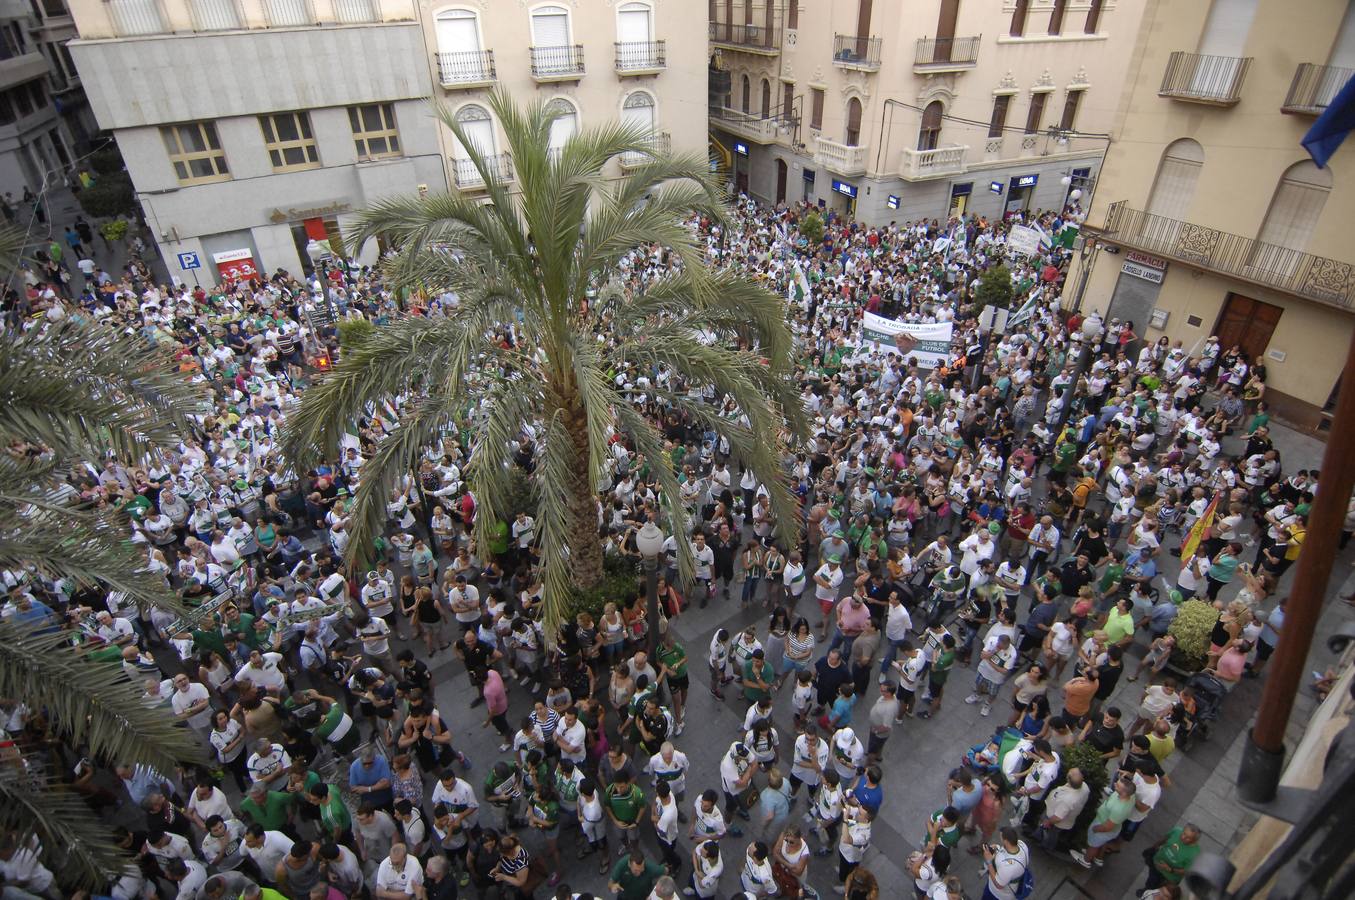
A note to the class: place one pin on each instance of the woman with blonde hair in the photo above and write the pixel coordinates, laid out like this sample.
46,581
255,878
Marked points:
1228,629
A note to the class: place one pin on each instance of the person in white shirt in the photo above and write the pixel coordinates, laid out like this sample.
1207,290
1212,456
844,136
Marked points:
570,737
399,876
268,763
21,865
192,703
266,848
898,625
995,664
707,867
264,672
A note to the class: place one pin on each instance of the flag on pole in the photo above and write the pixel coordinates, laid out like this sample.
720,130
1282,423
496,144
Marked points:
1191,545
799,286
1332,127
1022,315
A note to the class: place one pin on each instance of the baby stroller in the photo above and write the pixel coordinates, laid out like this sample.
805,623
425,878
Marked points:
1209,693
986,757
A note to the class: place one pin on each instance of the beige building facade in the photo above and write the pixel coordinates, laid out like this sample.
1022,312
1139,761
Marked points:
1209,216
596,61
898,112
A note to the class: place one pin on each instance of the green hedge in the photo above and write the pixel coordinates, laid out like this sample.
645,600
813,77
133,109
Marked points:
620,580
1192,626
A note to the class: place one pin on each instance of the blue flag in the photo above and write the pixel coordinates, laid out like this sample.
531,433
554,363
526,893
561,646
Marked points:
1332,127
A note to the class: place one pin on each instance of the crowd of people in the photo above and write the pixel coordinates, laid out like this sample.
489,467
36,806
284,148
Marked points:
999,512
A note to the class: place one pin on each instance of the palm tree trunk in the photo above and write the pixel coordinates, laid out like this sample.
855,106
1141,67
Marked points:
585,547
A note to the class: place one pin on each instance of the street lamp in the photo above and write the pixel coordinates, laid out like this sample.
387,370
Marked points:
317,255
1091,333
649,541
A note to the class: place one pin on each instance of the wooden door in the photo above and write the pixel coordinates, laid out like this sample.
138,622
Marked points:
1247,323
945,30
781,175
853,122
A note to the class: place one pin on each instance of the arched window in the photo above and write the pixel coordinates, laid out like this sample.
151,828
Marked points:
633,23
1174,186
747,94
930,133
853,122
563,127
478,127
638,110
766,99
550,26
1289,223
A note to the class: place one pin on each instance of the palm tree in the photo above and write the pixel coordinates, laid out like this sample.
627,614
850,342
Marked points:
71,393
549,260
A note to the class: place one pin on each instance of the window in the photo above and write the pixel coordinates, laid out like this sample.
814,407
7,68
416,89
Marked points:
1019,18
792,14
853,133
562,128
788,100
1295,209
1056,16
1093,17
374,134
457,31
746,95
930,133
816,108
999,120
638,111
1036,113
291,146
633,24
478,127
766,99
1174,186
550,27
195,152
1070,103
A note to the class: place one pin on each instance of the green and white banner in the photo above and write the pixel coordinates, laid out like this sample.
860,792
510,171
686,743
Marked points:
929,344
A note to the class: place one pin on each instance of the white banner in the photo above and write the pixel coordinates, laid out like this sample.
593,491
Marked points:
929,344
1024,239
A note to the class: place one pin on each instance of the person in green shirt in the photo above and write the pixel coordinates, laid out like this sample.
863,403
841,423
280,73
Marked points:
334,815
1110,818
673,670
498,538
1173,857
757,678
543,814
633,877
938,673
269,809
626,806
1110,578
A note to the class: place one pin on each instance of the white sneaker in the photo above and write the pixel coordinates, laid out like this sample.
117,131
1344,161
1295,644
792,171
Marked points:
985,709
677,729
972,699
688,892
504,748
1080,858
883,678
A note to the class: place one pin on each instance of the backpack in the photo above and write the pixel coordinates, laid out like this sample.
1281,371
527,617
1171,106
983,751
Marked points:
1026,885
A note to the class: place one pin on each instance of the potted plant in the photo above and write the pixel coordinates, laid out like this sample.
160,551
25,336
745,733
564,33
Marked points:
1192,626
113,231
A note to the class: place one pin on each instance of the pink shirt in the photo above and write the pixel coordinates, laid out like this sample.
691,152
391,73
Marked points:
852,618
1231,664
496,697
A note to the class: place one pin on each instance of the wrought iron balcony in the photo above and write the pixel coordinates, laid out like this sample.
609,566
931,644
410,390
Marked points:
499,166
468,68
641,57
843,159
659,145
1281,268
861,53
918,165
562,63
946,54
1216,80
750,38
1314,87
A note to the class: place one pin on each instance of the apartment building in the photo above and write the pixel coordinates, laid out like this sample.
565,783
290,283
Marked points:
897,112
252,127
34,142
1209,217
641,62
51,27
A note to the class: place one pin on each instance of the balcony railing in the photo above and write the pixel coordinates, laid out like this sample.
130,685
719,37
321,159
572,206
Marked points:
944,54
856,52
641,56
500,167
562,62
1314,87
1216,80
466,68
133,17
215,15
1281,268
762,129
351,11
659,145
919,164
289,13
843,159
754,38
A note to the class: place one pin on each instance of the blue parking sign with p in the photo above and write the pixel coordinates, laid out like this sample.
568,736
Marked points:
189,261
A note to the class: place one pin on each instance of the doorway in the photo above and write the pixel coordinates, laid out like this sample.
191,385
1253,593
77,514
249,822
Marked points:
1247,323
782,173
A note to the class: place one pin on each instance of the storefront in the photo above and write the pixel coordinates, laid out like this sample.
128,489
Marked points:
807,176
1019,191
741,167
844,198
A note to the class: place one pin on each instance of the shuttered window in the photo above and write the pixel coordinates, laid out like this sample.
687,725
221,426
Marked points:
1177,174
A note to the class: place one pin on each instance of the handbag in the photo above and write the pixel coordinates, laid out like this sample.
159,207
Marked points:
787,885
748,798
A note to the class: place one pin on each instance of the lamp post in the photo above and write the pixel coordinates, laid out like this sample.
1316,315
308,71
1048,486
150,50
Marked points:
317,256
1091,333
649,541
